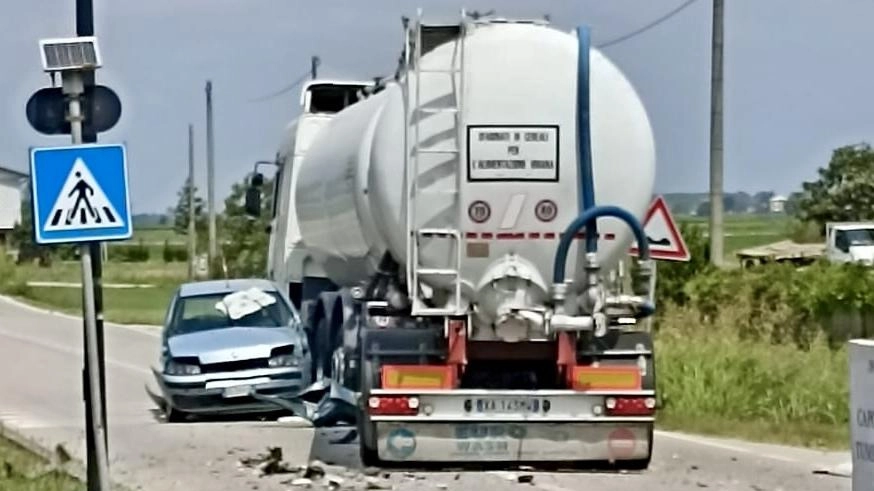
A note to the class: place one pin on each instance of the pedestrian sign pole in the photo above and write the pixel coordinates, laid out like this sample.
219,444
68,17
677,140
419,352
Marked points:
80,195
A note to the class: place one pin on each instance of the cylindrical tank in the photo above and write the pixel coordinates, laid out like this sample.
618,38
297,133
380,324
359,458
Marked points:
512,187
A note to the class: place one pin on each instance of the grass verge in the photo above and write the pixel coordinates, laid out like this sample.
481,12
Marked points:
712,381
122,306
24,471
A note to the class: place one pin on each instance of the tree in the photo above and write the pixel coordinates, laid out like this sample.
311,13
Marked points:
762,201
844,190
181,215
742,202
245,239
23,239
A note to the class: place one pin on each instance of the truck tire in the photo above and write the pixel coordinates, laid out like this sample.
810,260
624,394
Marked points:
369,454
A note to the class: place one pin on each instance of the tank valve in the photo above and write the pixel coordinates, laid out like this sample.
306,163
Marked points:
600,320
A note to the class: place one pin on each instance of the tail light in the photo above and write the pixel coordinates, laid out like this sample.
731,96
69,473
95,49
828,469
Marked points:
393,405
630,406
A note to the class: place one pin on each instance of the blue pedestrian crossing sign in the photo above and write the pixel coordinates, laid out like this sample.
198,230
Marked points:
80,194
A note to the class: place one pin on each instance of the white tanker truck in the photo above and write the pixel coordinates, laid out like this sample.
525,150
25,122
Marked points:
447,234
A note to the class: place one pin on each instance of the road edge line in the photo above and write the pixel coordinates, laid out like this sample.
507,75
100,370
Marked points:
149,329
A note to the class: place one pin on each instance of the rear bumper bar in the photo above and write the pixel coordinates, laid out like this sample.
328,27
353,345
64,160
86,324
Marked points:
524,426
504,442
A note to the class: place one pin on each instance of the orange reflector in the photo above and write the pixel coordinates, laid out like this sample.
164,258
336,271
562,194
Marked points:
606,378
417,377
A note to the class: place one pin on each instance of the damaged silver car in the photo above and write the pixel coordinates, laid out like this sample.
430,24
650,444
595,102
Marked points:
225,339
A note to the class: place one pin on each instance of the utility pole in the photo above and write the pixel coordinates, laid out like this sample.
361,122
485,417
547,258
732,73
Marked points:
315,61
85,27
210,177
716,187
192,217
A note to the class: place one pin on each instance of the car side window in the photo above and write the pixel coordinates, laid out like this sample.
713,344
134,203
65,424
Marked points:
841,242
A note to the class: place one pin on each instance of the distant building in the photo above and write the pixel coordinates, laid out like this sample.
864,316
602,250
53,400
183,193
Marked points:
777,204
11,184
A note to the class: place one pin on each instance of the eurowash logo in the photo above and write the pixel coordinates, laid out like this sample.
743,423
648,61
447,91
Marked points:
401,442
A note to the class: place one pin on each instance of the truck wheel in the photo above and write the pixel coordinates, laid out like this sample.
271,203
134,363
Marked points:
369,455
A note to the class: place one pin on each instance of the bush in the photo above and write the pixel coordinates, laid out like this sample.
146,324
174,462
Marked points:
805,232
671,277
786,305
129,253
174,253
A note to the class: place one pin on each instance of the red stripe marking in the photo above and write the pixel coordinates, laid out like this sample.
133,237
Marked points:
531,235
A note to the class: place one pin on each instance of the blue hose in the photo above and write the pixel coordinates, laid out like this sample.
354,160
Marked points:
584,136
590,215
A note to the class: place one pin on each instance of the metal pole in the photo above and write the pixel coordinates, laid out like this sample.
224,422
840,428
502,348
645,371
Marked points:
210,177
314,67
73,86
192,229
716,208
85,27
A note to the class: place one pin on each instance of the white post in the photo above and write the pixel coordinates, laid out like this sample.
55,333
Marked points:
73,87
861,354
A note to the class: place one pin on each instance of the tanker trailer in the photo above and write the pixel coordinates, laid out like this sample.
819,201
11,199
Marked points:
460,222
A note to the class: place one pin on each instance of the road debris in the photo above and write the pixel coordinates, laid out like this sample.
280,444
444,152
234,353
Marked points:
269,463
525,478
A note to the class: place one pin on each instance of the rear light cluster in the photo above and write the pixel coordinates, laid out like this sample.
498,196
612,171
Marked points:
630,406
393,406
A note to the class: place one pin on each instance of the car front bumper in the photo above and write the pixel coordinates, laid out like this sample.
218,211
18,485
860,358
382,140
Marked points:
229,392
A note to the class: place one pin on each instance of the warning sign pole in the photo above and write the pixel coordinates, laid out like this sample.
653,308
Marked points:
73,87
85,27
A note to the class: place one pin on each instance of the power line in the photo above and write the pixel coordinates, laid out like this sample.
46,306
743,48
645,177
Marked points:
303,77
649,26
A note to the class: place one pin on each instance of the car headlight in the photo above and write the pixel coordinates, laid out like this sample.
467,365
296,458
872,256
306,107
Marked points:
176,368
282,361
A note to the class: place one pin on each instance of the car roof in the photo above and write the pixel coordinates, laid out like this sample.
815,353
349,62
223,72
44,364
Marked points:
211,287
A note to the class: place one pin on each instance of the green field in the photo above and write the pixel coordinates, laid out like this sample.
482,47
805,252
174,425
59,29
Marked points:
21,470
743,231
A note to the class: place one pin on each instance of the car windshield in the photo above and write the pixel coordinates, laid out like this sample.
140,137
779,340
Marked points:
862,236
249,308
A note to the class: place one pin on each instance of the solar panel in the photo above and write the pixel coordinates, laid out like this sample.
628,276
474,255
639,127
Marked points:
70,54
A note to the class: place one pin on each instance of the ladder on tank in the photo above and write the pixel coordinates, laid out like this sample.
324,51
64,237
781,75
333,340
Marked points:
418,37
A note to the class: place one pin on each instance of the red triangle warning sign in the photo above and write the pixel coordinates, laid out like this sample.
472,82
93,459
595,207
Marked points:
665,241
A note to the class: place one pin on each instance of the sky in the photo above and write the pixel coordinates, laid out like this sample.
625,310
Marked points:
798,82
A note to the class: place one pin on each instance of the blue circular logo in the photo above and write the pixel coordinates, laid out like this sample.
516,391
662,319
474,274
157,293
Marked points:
401,442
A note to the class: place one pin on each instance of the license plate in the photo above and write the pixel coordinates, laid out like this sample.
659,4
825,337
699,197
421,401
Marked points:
237,391
513,405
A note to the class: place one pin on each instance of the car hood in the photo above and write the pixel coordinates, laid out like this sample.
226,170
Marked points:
230,343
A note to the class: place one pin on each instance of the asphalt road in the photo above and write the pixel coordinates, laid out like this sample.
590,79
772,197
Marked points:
40,397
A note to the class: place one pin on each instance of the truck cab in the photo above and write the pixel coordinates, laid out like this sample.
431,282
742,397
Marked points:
850,242
320,101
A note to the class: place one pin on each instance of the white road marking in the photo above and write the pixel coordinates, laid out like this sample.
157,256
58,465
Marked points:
724,446
148,330
514,208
